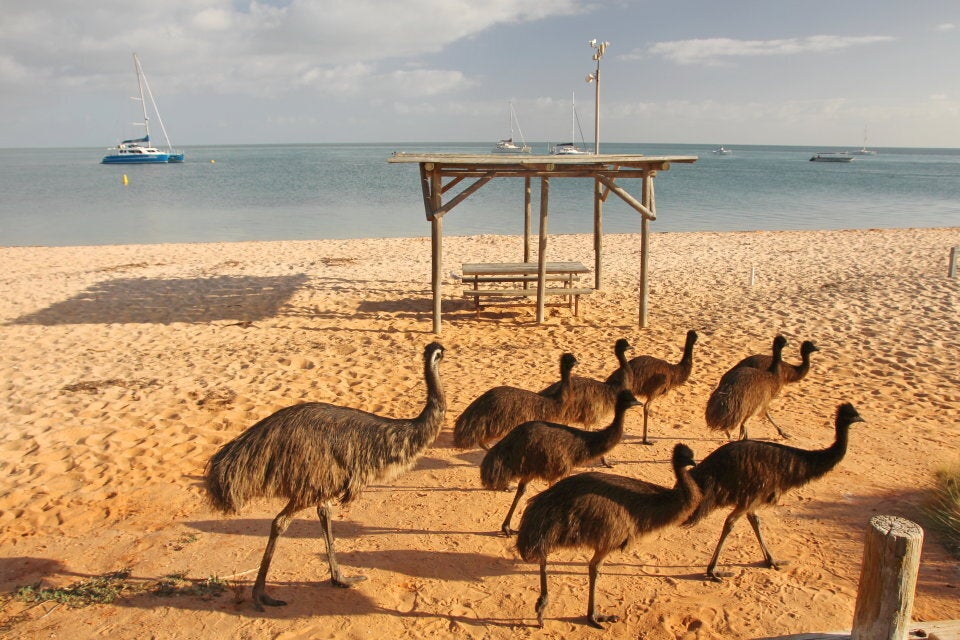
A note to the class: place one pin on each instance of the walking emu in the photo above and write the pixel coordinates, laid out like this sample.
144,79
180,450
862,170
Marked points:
602,512
591,401
313,453
789,372
653,377
745,392
548,451
747,475
500,409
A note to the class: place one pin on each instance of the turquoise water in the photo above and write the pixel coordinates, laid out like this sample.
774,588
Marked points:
61,197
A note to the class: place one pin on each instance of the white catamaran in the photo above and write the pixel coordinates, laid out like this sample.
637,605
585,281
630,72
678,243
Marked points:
139,150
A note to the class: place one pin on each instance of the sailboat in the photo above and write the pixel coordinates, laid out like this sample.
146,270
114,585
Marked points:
507,145
139,150
570,148
863,151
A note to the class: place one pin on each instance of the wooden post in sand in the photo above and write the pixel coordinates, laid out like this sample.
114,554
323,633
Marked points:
952,269
888,577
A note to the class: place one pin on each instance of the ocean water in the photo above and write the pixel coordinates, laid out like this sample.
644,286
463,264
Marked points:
62,197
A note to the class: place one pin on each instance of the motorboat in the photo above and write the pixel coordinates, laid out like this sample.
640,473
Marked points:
833,156
722,151
139,150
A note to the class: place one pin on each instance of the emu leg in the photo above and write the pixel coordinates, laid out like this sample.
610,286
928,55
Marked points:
505,527
280,524
646,414
767,556
743,430
544,598
783,434
594,570
337,578
727,526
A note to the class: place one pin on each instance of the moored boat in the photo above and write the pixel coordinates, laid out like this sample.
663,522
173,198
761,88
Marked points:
832,156
139,150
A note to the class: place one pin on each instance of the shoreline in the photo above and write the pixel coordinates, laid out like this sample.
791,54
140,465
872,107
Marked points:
125,367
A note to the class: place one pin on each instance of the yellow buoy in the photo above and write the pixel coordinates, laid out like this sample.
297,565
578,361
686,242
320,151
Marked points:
213,162
125,181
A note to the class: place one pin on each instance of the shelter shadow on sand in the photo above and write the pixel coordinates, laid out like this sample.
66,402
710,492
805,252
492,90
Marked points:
164,301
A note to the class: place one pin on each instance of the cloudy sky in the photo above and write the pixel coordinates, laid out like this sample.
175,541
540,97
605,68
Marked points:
683,71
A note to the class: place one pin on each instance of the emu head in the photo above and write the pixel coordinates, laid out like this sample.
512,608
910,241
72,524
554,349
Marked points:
847,415
808,347
626,399
682,456
433,354
621,347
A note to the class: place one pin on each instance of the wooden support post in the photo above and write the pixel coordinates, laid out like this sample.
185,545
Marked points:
527,210
436,241
888,577
954,256
597,233
436,229
542,257
647,198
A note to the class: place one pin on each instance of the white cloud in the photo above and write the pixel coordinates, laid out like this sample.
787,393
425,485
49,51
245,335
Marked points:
713,51
946,26
226,46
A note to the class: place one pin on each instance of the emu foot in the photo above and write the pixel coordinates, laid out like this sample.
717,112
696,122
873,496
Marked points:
717,576
345,583
507,531
594,621
541,605
605,463
261,599
776,564
646,442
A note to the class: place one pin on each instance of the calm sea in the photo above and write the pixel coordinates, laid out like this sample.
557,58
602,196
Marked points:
63,197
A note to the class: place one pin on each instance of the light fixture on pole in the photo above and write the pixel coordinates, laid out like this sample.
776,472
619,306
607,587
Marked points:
601,48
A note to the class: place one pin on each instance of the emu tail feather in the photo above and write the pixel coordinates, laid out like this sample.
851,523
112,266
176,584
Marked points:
493,474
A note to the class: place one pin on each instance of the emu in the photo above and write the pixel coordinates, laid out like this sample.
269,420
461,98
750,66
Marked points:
602,512
500,409
747,475
746,392
789,372
591,401
653,377
313,453
548,451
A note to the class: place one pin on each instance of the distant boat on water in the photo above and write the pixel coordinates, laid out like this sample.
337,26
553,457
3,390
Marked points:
571,148
139,150
863,151
832,156
507,145
722,151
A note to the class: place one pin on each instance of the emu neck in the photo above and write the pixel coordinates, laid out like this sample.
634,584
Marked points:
823,460
436,406
608,437
625,372
685,366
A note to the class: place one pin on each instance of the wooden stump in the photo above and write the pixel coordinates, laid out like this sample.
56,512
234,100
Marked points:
888,577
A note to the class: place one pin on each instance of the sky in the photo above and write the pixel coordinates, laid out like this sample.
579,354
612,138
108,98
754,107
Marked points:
777,72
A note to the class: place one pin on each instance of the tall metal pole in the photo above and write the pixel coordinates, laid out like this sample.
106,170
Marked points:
601,48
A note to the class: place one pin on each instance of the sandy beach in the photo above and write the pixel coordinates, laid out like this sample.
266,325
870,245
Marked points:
124,368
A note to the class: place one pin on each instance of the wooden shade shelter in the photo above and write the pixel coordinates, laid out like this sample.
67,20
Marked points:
441,173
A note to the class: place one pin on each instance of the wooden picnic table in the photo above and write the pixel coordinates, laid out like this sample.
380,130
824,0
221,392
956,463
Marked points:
493,274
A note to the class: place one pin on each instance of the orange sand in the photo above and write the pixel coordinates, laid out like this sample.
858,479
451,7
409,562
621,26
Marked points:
123,368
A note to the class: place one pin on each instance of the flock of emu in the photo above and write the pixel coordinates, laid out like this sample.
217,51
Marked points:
314,453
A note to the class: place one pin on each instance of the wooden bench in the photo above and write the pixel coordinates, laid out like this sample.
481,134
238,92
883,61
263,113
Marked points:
501,273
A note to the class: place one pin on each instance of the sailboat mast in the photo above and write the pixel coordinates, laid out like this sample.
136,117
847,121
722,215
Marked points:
143,102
